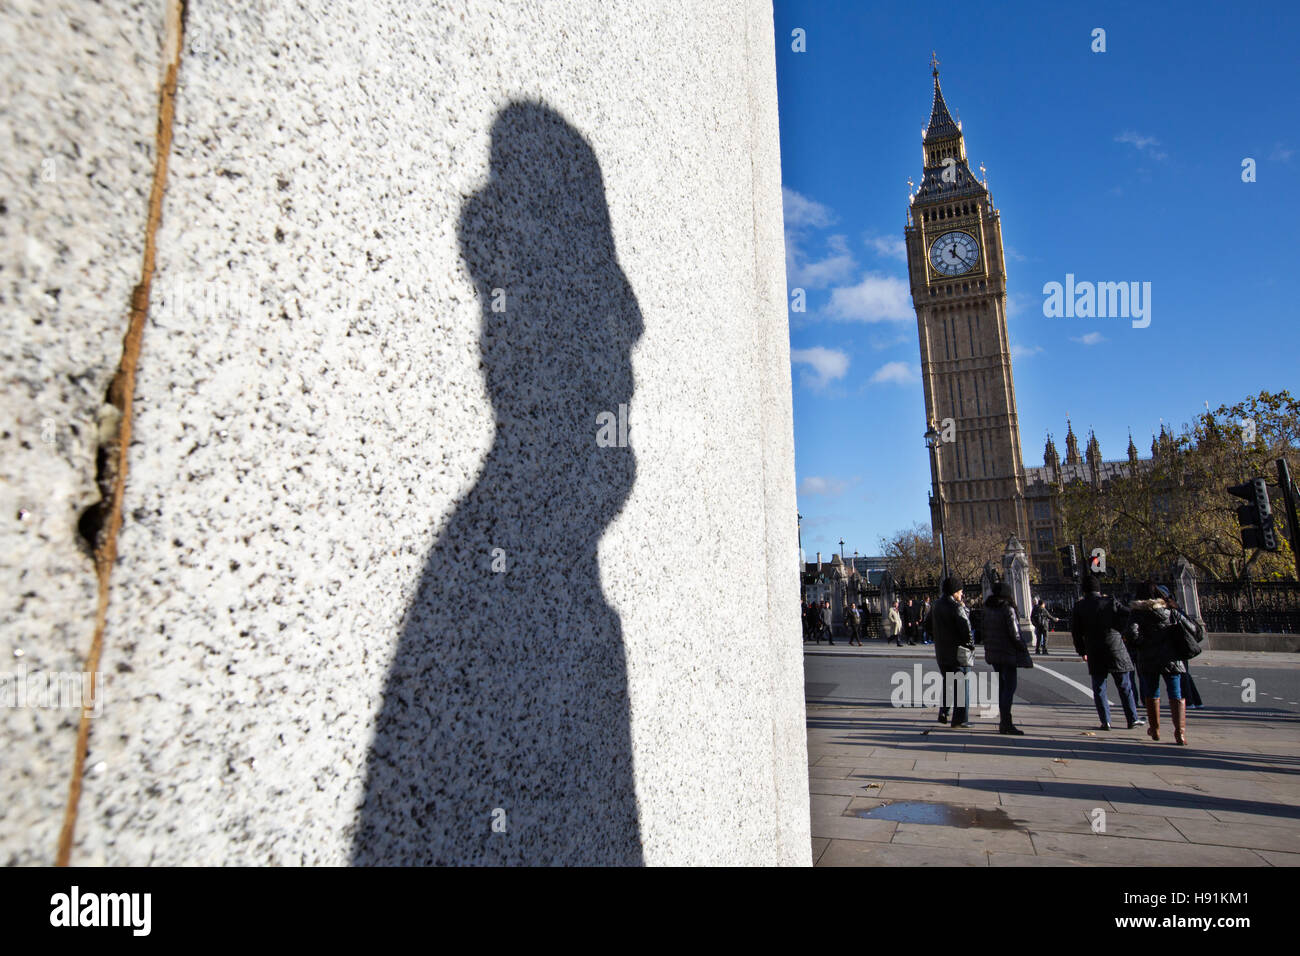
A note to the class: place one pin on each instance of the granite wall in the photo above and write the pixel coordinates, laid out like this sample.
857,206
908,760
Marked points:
459,521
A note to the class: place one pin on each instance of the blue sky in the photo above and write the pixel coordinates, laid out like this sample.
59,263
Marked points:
1117,166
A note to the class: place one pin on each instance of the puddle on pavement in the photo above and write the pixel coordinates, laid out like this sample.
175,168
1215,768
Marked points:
940,814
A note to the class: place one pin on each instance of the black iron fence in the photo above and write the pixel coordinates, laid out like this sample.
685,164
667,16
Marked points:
1271,607
1226,607
870,599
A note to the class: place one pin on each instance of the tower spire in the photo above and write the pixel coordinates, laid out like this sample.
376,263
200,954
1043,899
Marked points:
947,174
941,121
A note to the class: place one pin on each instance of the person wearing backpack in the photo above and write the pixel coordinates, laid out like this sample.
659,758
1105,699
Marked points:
1097,625
1165,639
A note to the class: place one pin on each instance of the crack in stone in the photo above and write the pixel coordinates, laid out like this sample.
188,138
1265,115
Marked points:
103,521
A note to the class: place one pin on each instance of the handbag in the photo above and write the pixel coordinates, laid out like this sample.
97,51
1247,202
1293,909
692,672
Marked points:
965,655
1182,636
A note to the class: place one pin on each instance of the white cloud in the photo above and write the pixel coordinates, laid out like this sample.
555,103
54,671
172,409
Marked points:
829,487
1092,338
1143,144
899,373
1024,351
836,267
877,298
1016,303
880,344
825,365
889,247
1018,256
1281,154
800,211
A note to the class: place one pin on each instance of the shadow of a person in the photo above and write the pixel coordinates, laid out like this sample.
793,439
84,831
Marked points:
504,736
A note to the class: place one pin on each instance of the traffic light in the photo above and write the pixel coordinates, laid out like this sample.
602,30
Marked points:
1069,562
1256,518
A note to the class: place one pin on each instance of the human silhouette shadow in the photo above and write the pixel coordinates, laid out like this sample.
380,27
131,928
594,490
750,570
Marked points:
506,703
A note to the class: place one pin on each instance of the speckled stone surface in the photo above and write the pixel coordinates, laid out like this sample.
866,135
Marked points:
382,595
78,106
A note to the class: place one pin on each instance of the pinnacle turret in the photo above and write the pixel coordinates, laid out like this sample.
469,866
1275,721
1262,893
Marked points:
1072,456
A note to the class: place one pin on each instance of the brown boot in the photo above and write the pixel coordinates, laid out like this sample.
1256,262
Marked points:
1153,718
1178,717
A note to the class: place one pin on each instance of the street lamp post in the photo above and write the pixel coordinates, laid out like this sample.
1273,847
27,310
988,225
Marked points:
932,443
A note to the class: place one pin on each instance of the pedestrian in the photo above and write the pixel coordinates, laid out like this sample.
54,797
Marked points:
1157,629
1097,625
927,632
1004,650
895,625
911,622
1190,694
1042,620
806,621
826,623
954,650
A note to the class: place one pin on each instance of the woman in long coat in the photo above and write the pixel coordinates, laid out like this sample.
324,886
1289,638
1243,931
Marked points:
1156,659
1004,650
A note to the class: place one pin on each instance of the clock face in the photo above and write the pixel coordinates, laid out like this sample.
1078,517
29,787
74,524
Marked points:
954,253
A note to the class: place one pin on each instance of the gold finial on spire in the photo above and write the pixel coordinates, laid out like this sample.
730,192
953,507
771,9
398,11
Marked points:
934,63
984,176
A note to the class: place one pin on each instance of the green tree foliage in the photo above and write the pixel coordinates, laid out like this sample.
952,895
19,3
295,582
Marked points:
1176,502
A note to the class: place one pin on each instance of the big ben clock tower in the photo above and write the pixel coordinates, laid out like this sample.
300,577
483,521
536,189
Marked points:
959,291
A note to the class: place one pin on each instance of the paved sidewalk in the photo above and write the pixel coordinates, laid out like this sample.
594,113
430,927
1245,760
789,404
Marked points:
1059,647
1232,798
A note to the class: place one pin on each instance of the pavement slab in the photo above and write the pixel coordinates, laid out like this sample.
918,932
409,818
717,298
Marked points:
853,853
1232,798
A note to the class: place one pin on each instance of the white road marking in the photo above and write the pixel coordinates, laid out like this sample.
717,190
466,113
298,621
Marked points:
1087,691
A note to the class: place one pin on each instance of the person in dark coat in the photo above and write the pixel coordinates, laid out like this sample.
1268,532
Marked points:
1190,694
1042,620
911,621
950,625
1149,620
1097,625
854,622
1004,650
826,623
